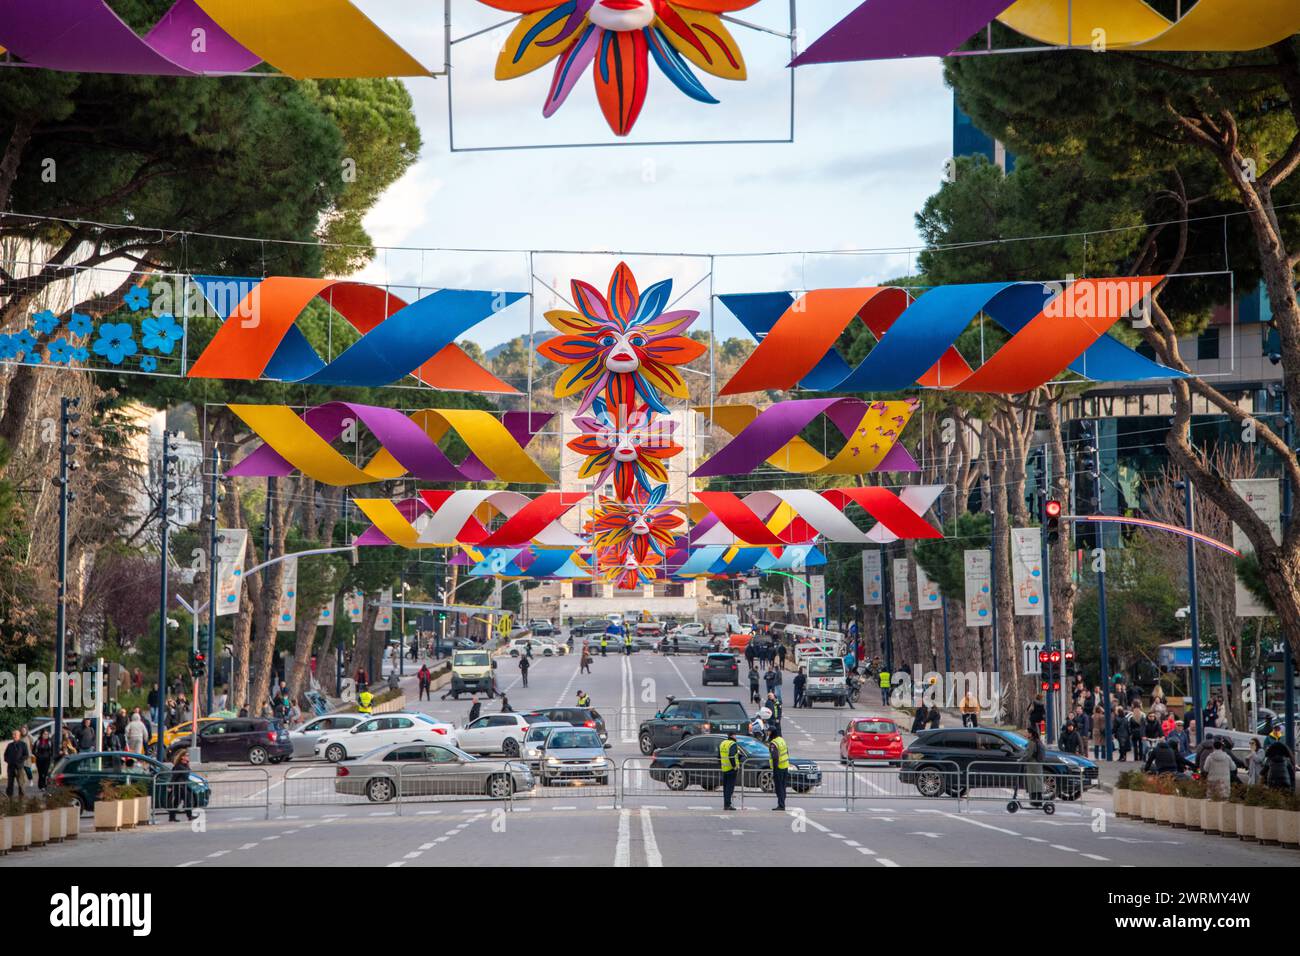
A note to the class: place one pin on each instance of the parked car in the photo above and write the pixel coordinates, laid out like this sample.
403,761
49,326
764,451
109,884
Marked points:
172,734
692,628
589,628
541,627
696,761
382,730
575,716
574,753
520,646
421,770
495,734
678,643
688,716
256,740
536,736
721,669
927,763
304,736
83,774
871,739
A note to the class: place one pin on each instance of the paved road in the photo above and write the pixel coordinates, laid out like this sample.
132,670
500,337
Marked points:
654,827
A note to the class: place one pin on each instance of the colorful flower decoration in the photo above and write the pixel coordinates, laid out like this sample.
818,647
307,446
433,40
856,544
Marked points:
642,528
625,572
620,37
62,352
80,324
621,346
161,333
45,322
148,364
116,341
24,342
632,446
137,298
33,357
8,347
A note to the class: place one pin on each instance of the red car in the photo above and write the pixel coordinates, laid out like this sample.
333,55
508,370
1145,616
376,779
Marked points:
871,739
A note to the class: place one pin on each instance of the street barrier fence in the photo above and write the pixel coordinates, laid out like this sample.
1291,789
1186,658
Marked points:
1022,784
242,789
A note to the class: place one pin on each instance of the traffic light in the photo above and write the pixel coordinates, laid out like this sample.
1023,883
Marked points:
1049,663
198,663
1052,519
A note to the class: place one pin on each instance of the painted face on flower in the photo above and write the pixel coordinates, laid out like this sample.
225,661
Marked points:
631,446
642,527
621,346
617,39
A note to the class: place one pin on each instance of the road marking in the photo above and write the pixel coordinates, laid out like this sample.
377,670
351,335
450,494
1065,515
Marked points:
249,846
426,846
1067,849
977,823
188,863
685,683
866,852
883,862
217,853
427,813
1035,839
564,694
271,838
1094,856
398,863
652,857
814,824
623,848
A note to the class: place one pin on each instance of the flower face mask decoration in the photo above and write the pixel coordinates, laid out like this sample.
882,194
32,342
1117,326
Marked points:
621,346
620,37
641,528
631,446
625,571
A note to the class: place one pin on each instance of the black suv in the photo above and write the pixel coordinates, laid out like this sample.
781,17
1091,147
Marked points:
686,716
929,761
257,740
721,669
577,716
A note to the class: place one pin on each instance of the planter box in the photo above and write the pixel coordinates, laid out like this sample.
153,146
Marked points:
71,823
1121,800
1288,828
1212,815
1246,822
20,832
1228,820
1266,825
1178,811
1162,805
1147,807
111,814
40,823
58,825
5,844
1192,812
142,810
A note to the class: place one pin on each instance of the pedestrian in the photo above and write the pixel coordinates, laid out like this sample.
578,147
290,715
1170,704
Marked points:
475,708
424,677
1150,732
1034,757
780,764
729,757
801,688
86,737
584,699
1279,767
1070,742
43,752
777,680
773,703
883,680
970,709
921,718
16,755
505,705
1164,758
177,794
1255,762
753,686
585,662
751,651
780,655
1217,768
1098,733
935,713
28,767
1123,738
523,668
1037,714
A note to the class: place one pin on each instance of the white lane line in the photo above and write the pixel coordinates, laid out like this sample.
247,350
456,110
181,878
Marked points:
652,857
623,848
577,669
396,864
1035,839
1094,856
249,846
883,862
188,863
685,682
1067,849
865,851
978,823
426,846
814,824
217,853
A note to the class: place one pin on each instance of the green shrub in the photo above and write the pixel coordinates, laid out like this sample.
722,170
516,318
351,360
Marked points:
1194,789
33,805
56,798
109,791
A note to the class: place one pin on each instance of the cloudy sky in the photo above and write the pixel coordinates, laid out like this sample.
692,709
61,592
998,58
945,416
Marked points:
870,140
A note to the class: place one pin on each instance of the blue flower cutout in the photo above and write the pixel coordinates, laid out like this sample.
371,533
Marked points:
24,341
80,324
161,333
8,348
45,322
61,352
33,357
137,298
80,354
115,341
148,364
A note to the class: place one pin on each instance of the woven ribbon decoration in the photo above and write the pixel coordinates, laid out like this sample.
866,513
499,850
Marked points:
439,519
799,516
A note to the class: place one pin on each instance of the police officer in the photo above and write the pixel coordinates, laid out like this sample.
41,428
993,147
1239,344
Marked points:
780,756
884,687
583,699
729,755
604,644
364,700
627,644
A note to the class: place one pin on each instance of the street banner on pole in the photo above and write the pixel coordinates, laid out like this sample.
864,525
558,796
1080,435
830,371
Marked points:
1264,497
818,595
1027,571
354,605
871,577
799,589
287,617
927,592
230,568
978,567
326,616
384,620
902,591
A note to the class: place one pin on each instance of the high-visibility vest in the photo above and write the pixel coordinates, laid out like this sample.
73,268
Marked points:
603,642
628,640
584,701
363,702
724,754
782,753
884,680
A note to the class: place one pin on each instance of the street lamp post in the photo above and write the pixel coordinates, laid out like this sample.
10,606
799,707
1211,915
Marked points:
214,567
1194,612
1103,629
1046,561
163,620
66,465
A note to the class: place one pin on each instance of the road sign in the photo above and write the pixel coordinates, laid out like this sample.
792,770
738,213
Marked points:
1029,657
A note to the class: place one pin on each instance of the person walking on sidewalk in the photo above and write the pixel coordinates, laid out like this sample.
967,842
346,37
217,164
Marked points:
523,669
16,754
425,678
753,685
584,663
780,655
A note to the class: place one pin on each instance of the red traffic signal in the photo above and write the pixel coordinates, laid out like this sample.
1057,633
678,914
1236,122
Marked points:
1044,657
1052,509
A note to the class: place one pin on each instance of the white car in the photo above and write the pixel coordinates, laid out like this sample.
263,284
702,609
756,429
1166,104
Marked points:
519,647
693,629
494,734
536,736
304,736
381,730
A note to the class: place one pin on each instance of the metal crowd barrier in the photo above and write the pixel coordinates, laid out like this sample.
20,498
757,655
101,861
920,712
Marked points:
226,790
402,785
1022,782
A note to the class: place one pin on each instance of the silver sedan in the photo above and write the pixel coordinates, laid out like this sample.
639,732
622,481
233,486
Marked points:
426,770
304,736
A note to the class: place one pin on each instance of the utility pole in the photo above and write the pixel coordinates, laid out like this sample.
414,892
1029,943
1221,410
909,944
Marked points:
1046,560
943,605
1104,632
886,597
1288,660
214,568
993,573
163,620
1195,609
66,496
